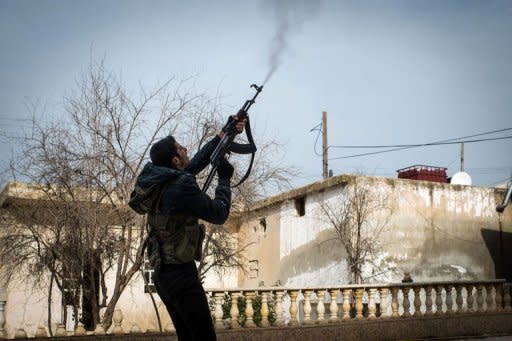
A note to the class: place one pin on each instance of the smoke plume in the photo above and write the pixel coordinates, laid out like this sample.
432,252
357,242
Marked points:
290,16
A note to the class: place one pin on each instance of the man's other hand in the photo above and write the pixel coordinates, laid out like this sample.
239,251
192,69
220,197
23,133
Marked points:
225,170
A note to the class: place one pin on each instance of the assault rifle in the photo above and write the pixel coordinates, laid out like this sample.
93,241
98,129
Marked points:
227,144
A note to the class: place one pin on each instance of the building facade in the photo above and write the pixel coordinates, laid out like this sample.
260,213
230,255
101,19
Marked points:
431,230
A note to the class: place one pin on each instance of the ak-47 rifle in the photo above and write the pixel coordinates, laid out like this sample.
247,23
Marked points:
227,144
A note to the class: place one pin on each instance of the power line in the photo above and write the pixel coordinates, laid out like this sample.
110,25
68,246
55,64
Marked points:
15,119
319,129
421,144
402,147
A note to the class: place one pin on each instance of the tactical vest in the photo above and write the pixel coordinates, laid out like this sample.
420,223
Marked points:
174,239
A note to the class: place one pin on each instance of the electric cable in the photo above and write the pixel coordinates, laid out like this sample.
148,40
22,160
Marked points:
420,144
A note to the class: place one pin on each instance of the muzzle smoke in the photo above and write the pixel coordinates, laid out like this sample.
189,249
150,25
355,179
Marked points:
290,17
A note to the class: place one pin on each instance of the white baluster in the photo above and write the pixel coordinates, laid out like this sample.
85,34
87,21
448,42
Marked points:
118,319
384,302
264,309
279,308
61,330
234,312
507,297
249,310
320,308
458,300
371,304
293,307
80,330
346,304
470,298
21,334
135,329
41,332
359,303
439,300
499,296
219,313
307,307
489,297
417,301
394,302
449,300
334,305
406,304
99,330
480,297
428,300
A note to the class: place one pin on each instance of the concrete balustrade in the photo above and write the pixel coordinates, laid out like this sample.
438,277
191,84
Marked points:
294,307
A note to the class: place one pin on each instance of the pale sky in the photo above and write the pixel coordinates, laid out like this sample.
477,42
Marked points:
386,72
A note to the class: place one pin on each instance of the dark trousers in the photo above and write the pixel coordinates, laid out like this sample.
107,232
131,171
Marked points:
181,291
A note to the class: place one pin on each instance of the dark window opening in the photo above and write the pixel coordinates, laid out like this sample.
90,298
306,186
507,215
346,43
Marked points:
263,223
300,206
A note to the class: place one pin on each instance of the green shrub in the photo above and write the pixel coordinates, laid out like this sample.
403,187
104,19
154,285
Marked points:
242,304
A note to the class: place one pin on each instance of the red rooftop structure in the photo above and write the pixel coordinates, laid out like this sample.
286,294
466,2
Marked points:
423,172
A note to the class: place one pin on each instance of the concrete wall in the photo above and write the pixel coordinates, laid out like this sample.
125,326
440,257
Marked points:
27,301
27,304
436,232
460,326
261,235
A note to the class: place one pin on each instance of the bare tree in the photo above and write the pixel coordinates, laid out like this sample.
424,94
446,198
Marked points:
84,168
358,216
222,248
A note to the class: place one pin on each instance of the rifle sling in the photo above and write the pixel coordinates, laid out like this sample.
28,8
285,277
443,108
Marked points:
250,148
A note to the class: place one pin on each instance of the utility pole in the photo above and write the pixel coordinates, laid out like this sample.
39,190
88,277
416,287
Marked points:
325,172
462,157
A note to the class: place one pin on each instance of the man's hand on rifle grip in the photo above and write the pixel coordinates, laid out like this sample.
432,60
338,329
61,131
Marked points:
240,125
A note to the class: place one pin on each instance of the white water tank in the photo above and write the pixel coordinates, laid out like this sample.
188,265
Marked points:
461,178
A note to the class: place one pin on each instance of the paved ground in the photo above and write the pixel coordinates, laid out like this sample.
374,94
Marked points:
475,338
489,338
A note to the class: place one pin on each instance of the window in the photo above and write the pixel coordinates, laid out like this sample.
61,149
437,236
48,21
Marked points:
253,269
263,223
300,206
148,272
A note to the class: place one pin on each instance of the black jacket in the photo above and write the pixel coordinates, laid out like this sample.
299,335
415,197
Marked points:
182,195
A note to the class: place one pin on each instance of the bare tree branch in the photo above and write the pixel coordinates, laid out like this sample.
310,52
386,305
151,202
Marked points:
358,216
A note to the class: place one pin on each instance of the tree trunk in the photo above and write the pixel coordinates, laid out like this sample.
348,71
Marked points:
50,289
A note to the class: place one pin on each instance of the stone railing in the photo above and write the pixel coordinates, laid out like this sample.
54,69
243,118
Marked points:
317,305
281,307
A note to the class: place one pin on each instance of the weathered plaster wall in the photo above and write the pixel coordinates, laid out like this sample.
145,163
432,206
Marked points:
261,235
436,232
27,301
27,305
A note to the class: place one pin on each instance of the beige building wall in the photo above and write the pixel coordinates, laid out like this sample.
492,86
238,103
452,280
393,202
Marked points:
261,237
27,302
436,232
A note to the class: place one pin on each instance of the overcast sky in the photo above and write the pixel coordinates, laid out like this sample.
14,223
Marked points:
386,72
